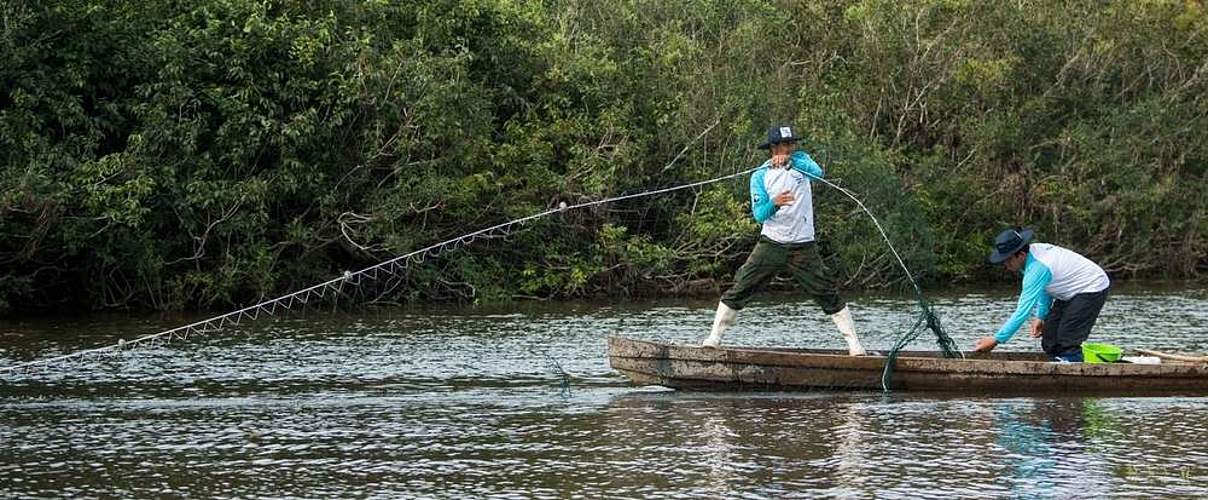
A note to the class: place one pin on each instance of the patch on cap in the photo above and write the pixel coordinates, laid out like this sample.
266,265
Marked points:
786,133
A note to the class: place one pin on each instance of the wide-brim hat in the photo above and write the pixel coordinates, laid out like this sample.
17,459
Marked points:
1008,242
779,134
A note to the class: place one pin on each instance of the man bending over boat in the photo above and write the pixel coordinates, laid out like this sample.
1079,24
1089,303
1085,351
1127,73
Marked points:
1078,285
786,241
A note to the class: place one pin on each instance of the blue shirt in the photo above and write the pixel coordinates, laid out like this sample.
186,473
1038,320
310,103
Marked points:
1036,276
794,222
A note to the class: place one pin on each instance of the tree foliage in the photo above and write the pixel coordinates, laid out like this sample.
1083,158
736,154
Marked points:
193,155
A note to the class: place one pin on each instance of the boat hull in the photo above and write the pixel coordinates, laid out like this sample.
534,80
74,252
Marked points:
739,368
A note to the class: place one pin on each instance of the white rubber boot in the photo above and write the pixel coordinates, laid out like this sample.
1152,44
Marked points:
848,328
724,319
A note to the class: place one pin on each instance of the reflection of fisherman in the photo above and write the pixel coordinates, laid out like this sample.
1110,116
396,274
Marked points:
1050,272
786,240
1050,445
1030,457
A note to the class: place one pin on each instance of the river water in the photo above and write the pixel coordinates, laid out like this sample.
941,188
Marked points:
519,402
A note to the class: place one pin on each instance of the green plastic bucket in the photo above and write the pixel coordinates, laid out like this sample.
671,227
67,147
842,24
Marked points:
1100,353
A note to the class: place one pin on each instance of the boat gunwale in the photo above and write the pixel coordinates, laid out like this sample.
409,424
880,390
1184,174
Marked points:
779,357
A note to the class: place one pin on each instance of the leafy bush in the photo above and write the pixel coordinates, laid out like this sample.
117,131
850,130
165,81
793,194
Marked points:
166,155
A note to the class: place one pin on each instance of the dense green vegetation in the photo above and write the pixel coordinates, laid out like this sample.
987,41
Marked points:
168,154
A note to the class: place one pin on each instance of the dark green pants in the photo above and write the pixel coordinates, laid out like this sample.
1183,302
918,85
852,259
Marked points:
803,263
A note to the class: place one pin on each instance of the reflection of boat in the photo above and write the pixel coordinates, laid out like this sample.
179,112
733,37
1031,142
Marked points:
772,368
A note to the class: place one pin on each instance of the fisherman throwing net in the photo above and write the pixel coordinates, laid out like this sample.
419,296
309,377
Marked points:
782,202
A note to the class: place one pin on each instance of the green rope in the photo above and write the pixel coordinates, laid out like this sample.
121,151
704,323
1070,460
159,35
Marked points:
927,319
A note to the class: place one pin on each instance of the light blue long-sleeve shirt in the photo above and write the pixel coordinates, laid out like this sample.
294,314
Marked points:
1036,276
762,206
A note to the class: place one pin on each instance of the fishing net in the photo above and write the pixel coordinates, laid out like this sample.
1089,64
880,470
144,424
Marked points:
927,320
401,265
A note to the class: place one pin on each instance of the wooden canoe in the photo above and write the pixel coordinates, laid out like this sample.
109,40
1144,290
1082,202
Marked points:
772,368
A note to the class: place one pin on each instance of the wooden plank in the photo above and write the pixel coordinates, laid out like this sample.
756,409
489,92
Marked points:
1174,357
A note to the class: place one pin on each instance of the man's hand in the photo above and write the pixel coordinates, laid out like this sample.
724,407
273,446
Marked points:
780,160
783,199
985,344
1037,328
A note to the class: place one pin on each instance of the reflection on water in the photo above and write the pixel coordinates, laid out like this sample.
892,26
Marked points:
1047,449
457,403
850,450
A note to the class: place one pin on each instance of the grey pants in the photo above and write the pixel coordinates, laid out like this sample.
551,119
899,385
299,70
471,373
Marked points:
801,260
1069,322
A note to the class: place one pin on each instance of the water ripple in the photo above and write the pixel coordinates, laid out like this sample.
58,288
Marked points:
455,403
